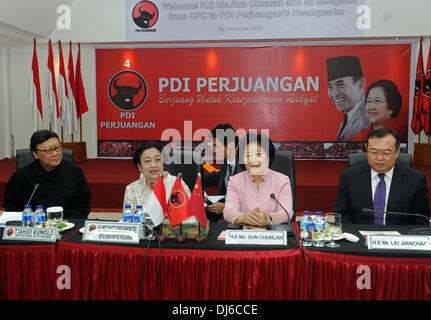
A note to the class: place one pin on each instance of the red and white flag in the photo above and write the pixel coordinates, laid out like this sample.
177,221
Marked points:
426,107
156,205
51,90
63,95
72,124
34,94
196,203
418,98
177,206
81,101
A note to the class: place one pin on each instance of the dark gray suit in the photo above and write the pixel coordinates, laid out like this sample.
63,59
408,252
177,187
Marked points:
408,193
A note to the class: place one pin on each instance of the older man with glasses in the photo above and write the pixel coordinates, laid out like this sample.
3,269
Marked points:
382,187
61,183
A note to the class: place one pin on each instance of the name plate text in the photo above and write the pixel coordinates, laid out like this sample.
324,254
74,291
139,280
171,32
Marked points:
403,242
30,234
256,237
118,232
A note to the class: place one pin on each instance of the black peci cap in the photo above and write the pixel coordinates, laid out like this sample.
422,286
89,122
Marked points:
344,66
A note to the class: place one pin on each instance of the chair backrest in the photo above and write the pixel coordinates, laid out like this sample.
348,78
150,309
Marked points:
284,162
24,157
404,159
180,161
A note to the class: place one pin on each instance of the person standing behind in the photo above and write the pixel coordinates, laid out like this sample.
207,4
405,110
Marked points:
61,183
225,147
382,185
346,85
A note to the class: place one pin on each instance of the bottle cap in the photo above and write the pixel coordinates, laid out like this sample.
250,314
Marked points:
127,206
39,206
306,212
319,213
27,206
138,207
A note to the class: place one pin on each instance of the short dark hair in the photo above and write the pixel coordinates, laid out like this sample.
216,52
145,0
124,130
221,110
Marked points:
41,136
228,133
383,132
146,145
261,139
392,95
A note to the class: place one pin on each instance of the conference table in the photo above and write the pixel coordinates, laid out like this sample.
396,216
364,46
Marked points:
75,269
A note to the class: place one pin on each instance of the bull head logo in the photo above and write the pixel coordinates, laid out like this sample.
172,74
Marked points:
145,14
127,90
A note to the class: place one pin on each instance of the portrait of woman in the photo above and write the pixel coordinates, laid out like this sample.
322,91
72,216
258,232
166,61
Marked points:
382,105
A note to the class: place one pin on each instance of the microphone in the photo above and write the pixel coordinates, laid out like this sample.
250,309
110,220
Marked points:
422,231
288,228
152,185
36,186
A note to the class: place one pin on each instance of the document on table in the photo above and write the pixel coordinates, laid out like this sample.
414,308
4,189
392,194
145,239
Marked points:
379,233
212,199
10,216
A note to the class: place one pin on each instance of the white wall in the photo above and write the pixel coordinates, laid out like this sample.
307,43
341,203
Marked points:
20,58
101,22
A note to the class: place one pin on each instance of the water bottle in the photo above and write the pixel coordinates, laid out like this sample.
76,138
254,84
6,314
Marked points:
127,213
319,230
39,218
306,229
148,225
27,216
139,215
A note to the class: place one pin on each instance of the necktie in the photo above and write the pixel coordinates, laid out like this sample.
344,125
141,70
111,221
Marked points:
344,123
380,199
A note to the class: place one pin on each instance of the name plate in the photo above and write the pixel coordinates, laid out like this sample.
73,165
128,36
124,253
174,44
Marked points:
118,232
256,237
403,242
30,234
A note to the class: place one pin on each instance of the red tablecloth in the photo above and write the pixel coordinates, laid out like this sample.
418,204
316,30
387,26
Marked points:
114,272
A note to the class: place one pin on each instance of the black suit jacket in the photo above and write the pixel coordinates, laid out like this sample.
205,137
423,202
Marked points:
217,179
408,193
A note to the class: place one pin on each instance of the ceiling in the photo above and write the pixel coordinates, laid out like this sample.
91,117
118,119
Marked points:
22,20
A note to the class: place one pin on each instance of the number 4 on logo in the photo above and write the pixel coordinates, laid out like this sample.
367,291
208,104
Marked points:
127,63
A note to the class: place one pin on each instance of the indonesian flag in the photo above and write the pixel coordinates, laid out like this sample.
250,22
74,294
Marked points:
426,108
63,95
34,94
156,205
72,124
51,89
177,207
81,101
196,203
418,99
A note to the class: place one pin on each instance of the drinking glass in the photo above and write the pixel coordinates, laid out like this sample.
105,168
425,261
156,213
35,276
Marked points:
55,216
333,223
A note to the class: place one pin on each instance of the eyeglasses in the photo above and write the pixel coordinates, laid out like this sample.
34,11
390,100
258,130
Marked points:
384,153
50,151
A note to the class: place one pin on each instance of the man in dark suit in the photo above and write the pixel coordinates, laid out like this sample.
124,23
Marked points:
225,146
383,186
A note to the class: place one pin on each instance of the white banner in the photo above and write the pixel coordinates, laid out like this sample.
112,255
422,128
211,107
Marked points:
170,20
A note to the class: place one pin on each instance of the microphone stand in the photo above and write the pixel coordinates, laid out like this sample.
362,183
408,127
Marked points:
289,228
415,231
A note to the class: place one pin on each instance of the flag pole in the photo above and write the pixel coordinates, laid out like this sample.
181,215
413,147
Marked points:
181,238
199,238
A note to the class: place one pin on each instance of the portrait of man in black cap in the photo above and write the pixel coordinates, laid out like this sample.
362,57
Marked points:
346,88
